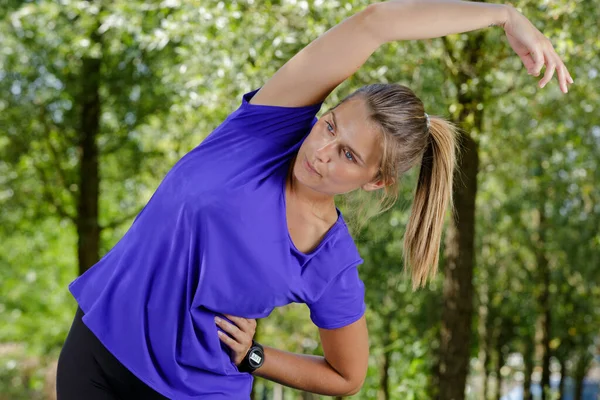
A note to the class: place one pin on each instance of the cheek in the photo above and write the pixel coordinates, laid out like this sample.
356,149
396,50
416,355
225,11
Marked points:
343,173
307,146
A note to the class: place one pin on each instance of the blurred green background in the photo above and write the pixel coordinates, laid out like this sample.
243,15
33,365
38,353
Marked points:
99,99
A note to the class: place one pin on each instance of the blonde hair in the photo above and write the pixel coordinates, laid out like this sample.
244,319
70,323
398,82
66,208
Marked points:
410,137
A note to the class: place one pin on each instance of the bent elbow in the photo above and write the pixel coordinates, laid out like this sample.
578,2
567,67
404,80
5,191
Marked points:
371,20
354,390
383,18
354,387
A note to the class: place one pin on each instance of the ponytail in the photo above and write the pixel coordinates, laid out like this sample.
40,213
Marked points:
411,137
432,197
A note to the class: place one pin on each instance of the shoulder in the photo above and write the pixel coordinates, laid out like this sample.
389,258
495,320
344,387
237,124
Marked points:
252,100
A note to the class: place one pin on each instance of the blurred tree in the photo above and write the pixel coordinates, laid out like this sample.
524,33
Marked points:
68,87
152,79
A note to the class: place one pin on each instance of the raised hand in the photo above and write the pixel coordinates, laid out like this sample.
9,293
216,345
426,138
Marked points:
238,337
535,50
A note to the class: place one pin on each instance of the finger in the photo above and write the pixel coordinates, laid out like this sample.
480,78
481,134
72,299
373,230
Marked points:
236,320
563,68
562,74
562,78
569,75
229,341
568,79
231,329
528,63
538,61
550,67
244,324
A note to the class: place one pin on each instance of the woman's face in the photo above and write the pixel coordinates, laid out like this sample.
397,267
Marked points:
343,147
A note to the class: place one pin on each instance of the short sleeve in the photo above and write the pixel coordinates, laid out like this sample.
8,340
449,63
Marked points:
277,125
253,142
342,302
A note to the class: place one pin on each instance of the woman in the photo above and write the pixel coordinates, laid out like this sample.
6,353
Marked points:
246,222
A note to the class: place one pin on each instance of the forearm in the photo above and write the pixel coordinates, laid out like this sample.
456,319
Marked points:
425,19
326,62
305,372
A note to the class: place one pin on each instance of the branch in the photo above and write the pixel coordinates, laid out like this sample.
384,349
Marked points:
47,193
505,92
451,61
527,271
114,147
49,196
53,151
119,221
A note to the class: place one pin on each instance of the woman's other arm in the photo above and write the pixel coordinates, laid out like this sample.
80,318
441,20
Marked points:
309,76
341,372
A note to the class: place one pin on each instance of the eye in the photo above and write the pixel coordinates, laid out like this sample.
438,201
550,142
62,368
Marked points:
329,127
351,156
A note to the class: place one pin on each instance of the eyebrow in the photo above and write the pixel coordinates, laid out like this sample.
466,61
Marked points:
351,149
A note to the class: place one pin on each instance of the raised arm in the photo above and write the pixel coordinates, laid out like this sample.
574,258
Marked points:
313,73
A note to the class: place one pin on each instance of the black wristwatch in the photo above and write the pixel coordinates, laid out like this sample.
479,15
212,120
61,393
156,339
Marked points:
254,359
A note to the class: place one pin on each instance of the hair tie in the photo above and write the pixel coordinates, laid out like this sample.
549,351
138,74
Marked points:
427,120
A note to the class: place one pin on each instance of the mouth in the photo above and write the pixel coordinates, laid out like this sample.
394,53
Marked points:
310,167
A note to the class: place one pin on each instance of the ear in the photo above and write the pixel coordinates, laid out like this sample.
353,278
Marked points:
375,184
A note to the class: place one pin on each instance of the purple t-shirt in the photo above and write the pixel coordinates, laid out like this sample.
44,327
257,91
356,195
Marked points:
213,239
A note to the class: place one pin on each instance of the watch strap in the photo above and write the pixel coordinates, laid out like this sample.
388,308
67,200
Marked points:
254,359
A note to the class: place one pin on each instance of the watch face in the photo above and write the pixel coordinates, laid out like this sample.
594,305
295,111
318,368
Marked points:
255,358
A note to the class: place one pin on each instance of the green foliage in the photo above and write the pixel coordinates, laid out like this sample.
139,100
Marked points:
170,73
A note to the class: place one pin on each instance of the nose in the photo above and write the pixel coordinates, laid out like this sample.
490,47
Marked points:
326,150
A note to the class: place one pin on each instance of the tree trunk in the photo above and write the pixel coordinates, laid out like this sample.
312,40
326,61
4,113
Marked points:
88,228
563,375
486,348
487,364
543,300
547,352
458,283
384,382
528,361
499,365
384,377
486,379
457,312
581,369
579,388
484,336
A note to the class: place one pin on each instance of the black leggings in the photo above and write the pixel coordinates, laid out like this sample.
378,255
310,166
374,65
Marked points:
88,371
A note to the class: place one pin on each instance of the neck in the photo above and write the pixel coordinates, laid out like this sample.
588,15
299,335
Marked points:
320,204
